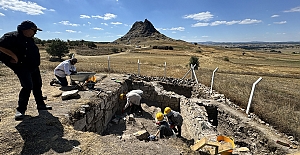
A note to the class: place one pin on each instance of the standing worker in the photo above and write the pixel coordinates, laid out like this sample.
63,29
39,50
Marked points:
134,102
164,129
64,69
175,120
20,53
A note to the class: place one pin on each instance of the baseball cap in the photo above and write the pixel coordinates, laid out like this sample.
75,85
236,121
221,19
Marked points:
27,24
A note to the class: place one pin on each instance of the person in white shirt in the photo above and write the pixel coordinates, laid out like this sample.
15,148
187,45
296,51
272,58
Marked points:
65,69
134,102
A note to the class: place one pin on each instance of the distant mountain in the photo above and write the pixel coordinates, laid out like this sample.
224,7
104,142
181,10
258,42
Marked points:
141,32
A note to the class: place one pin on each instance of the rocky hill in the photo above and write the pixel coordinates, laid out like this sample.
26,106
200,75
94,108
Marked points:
141,32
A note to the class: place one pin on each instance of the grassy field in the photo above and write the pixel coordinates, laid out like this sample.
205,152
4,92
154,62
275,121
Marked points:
276,98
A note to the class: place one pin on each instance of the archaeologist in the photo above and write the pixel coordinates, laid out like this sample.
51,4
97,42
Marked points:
175,120
133,102
138,91
164,129
63,70
20,53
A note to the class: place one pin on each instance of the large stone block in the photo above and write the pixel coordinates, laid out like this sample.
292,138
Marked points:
142,135
69,94
107,116
80,124
90,116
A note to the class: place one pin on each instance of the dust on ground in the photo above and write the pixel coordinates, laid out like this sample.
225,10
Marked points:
45,132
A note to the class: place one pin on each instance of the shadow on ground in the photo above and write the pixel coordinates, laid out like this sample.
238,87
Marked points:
42,133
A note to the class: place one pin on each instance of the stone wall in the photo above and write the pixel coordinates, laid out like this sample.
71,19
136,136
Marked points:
96,115
101,108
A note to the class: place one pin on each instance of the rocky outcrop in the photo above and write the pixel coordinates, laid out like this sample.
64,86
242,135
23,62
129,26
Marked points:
141,31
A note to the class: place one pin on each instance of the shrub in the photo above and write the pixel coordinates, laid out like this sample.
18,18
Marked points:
194,60
57,48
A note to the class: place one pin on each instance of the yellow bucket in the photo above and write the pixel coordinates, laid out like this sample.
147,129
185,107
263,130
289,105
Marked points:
226,139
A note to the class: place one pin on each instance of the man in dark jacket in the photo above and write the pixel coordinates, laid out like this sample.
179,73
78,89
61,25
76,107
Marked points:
20,53
175,119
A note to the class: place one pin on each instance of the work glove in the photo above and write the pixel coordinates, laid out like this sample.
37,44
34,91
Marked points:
172,126
152,137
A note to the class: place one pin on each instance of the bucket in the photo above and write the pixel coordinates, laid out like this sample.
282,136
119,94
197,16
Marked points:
226,139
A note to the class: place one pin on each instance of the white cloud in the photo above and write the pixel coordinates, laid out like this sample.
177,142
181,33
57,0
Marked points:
177,29
200,24
106,16
104,24
28,7
84,16
296,9
233,22
51,10
202,16
215,23
89,23
204,36
250,21
115,23
161,29
57,32
282,22
71,31
97,28
274,16
68,23
1,14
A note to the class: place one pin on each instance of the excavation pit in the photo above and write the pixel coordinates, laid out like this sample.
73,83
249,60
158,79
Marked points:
204,115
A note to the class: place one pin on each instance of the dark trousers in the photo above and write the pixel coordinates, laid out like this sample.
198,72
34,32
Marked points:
179,131
30,79
63,80
135,108
165,131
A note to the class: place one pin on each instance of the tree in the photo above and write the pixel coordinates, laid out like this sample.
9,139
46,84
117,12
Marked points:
91,44
58,48
194,60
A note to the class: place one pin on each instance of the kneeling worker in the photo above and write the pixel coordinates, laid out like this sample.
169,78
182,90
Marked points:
175,120
64,69
164,129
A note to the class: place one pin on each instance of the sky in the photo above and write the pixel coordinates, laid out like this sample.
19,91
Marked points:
188,20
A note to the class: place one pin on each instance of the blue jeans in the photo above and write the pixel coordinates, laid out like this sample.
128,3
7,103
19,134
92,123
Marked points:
30,79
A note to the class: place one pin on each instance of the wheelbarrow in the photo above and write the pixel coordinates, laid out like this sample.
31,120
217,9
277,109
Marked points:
81,77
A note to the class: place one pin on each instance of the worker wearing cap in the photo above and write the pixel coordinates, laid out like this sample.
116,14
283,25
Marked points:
164,129
134,102
20,53
175,120
65,69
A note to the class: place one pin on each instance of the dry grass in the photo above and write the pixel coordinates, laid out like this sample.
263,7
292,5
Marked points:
275,99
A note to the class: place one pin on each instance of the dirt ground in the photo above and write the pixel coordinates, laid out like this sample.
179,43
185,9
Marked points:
46,132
